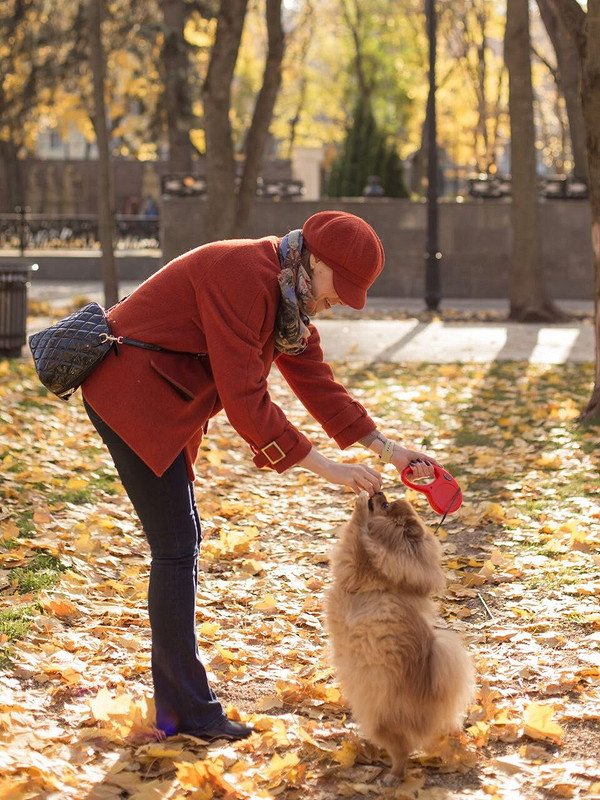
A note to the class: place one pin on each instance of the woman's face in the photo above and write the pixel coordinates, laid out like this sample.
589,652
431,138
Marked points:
322,285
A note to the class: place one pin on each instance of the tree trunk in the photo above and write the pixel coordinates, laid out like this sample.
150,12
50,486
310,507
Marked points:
220,161
105,183
568,82
590,97
261,119
304,32
528,301
481,91
13,194
177,101
227,211
498,113
585,31
354,24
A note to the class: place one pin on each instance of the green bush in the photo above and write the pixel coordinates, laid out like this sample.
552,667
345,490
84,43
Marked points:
366,152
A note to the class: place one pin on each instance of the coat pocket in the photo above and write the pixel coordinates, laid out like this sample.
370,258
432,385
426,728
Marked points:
187,376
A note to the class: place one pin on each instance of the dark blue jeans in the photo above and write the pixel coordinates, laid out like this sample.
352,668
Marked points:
167,510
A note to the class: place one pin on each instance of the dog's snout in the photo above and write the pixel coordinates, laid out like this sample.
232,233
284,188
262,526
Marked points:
379,500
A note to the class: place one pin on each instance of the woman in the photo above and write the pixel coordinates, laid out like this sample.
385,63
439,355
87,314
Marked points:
244,304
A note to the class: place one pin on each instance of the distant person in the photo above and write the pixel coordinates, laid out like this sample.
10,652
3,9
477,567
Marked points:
149,208
133,205
373,187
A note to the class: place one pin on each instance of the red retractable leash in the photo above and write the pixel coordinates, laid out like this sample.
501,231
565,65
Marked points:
443,492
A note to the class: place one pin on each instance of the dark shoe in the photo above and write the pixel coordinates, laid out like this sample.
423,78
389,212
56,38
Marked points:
227,729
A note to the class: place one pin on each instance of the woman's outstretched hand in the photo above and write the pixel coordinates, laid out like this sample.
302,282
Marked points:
357,477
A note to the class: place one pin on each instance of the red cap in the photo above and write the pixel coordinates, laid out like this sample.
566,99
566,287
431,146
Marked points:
350,247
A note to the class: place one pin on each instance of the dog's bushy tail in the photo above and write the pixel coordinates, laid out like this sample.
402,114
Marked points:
452,677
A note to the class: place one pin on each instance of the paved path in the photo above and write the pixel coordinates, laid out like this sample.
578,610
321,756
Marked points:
373,337
442,342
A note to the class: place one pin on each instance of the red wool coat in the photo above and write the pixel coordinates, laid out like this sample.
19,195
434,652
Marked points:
220,299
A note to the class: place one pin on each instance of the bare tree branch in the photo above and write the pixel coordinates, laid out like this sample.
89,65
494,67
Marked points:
543,60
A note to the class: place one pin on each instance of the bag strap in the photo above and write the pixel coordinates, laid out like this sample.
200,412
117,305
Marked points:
158,348
117,340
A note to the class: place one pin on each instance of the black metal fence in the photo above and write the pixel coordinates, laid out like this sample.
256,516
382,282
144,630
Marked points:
26,231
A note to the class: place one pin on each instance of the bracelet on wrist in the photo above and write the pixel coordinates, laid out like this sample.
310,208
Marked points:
387,452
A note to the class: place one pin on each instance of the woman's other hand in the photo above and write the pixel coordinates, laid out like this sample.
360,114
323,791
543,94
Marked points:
420,463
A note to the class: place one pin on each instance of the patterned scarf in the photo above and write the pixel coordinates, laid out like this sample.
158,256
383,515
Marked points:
297,301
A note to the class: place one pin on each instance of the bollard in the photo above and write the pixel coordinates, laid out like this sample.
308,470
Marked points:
14,282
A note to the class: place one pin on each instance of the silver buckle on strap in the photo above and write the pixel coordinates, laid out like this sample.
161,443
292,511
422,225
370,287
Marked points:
107,337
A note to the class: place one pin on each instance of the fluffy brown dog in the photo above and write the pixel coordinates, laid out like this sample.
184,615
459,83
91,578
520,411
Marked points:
404,679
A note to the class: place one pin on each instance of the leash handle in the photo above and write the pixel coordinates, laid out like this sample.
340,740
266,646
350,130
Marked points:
443,493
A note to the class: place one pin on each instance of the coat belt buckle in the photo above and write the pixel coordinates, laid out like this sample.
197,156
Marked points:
273,461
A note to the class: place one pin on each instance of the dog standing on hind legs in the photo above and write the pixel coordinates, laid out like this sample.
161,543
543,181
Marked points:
404,679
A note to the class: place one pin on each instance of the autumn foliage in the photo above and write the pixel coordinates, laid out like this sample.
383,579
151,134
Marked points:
521,558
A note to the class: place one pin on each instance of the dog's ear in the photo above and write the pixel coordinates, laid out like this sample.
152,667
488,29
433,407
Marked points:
411,526
406,518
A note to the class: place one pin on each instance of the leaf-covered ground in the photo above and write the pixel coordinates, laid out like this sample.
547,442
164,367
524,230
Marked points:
521,556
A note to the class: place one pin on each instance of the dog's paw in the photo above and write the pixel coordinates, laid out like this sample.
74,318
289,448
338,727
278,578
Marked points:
361,508
362,503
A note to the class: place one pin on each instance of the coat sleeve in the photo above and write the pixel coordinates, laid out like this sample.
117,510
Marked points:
312,381
233,316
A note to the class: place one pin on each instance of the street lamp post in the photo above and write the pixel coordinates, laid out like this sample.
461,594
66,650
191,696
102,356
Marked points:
432,253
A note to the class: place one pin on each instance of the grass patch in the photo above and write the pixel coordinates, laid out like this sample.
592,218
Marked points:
9,544
101,482
37,401
14,624
42,572
15,466
585,434
25,523
466,438
579,486
26,528
75,497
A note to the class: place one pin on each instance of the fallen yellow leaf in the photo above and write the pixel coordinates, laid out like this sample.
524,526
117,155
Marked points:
9,530
278,765
345,755
58,606
76,483
538,723
267,604
209,629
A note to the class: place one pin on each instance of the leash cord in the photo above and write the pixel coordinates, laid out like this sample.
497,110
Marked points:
449,506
